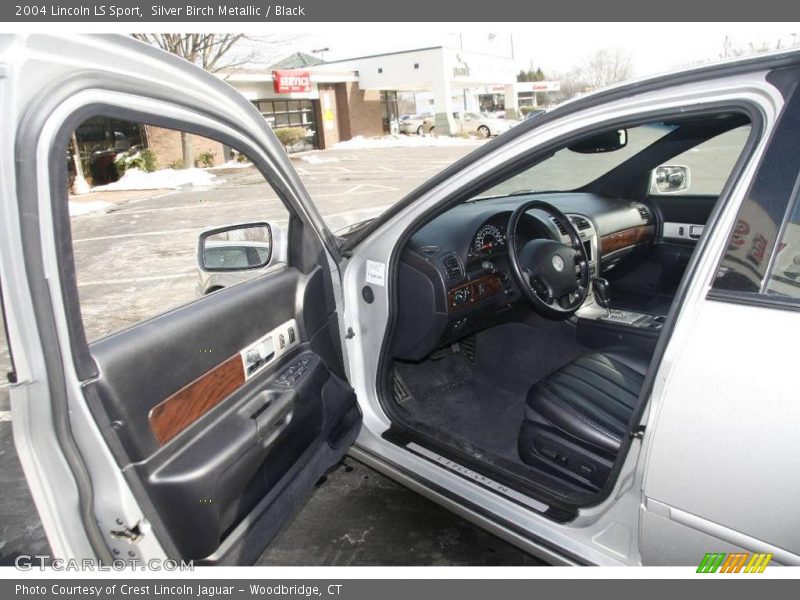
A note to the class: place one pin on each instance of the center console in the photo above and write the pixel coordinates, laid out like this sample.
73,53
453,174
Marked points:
602,327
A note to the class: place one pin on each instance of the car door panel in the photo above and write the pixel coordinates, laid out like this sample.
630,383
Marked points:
246,433
682,219
649,278
675,209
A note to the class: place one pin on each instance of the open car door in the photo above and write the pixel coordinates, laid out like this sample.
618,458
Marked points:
197,433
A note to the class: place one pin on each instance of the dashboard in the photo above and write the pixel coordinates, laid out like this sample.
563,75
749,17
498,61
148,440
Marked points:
454,278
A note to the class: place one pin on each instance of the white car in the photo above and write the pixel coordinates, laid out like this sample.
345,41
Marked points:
413,124
475,124
595,370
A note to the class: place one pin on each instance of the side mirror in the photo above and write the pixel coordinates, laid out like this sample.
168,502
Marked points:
235,247
670,179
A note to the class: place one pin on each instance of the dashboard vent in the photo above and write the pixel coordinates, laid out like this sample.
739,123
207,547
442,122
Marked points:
644,213
561,227
580,223
452,268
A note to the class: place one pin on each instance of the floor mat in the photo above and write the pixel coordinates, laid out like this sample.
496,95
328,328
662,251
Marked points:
483,403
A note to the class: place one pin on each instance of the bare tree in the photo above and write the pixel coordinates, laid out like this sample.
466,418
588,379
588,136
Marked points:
731,51
606,67
214,52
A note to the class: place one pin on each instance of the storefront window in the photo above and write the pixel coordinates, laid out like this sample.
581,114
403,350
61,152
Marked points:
292,113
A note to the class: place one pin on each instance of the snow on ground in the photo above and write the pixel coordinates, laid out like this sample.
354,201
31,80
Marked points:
135,179
82,208
231,164
403,141
317,159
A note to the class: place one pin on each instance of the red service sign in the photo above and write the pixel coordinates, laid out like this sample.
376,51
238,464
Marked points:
286,82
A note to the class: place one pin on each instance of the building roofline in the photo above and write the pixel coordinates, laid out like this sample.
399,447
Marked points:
332,62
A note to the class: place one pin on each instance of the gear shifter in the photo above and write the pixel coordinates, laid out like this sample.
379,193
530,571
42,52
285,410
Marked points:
600,287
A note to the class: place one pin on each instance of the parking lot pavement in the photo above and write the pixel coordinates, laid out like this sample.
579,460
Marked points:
359,517
137,258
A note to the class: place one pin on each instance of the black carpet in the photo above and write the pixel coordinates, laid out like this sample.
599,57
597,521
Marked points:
482,404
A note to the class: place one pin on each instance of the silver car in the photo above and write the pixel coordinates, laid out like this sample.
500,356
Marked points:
414,124
474,124
580,338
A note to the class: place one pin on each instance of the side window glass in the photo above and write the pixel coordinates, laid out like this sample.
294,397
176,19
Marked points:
784,275
161,217
762,248
709,164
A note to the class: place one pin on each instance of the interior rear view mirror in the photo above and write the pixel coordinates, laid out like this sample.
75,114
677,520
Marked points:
608,141
235,247
670,179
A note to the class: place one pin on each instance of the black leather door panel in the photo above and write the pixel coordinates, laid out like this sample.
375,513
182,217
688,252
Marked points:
649,281
683,209
214,474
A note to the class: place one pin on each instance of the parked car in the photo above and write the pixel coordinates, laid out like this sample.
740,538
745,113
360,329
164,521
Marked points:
586,355
410,124
474,124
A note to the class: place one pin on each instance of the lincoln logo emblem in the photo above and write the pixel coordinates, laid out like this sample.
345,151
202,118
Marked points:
558,263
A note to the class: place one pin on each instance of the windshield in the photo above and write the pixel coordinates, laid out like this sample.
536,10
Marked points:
567,170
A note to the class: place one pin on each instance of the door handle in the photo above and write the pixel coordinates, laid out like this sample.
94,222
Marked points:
695,231
274,415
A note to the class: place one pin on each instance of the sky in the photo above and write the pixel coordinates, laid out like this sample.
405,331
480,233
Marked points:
555,47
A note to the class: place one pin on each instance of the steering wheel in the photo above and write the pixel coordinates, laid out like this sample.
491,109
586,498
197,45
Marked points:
553,276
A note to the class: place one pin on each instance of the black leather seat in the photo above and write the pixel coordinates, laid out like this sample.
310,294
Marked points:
576,418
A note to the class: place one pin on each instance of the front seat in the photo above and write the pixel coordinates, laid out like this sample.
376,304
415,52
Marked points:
577,417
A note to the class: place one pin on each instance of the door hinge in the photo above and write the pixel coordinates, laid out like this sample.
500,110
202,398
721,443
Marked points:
350,334
638,432
129,534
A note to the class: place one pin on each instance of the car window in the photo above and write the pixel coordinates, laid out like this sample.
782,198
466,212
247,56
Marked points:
784,276
762,252
711,162
136,226
567,170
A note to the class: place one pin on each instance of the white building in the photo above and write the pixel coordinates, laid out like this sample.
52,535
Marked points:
453,79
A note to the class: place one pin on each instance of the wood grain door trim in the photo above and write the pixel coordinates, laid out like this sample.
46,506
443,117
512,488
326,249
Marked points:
623,239
174,414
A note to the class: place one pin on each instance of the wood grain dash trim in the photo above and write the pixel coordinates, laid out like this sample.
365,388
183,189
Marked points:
174,414
628,237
